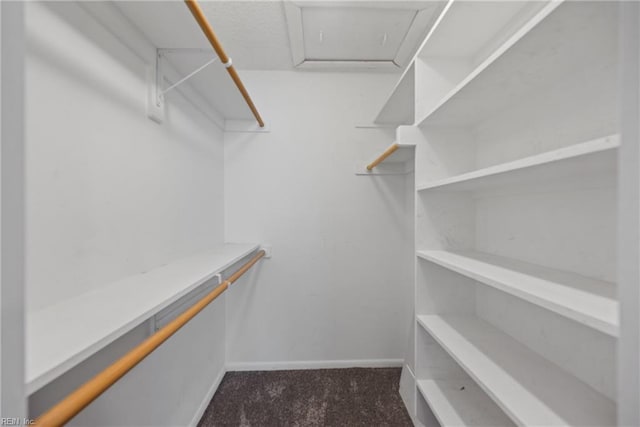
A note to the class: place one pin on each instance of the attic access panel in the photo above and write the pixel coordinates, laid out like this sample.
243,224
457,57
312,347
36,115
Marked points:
357,34
351,34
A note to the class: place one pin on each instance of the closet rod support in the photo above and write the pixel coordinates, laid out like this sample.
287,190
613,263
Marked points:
188,76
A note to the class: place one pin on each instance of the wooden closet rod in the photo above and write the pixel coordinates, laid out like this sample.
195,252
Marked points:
389,151
198,14
89,391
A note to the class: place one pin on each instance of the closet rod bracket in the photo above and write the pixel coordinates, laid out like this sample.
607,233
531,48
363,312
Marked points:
157,78
268,249
160,58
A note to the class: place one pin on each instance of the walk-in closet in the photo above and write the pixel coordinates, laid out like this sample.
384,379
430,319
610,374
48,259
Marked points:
320,213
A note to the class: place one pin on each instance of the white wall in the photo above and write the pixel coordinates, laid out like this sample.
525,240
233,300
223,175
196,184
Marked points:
628,220
339,285
12,401
110,194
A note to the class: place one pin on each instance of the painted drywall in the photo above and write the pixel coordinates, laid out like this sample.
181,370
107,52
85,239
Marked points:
628,214
109,194
338,289
123,195
12,401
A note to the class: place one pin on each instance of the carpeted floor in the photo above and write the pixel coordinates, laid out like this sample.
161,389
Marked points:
323,397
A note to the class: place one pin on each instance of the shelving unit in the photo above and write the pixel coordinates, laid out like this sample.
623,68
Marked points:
516,165
587,301
61,336
584,164
460,403
529,388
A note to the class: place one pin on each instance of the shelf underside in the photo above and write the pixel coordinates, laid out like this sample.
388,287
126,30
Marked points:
399,108
59,337
174,28
486,23
558,43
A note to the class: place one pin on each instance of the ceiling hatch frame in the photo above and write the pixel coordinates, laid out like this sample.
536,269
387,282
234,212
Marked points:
424,17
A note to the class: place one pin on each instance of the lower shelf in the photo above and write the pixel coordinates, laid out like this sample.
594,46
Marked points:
61,336
461,403
528,388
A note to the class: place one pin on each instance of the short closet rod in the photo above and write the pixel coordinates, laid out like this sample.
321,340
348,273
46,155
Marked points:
75,402
198,14
389,151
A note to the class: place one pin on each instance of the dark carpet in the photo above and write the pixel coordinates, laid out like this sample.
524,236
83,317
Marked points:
319,397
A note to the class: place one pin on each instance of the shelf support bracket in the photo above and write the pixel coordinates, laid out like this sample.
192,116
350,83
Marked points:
187,77
156,76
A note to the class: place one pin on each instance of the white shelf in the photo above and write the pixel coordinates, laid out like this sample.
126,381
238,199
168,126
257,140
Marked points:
461,403
483,22
399,162
63,335
398,109
529,388
588,301
555,42
173,27
584,163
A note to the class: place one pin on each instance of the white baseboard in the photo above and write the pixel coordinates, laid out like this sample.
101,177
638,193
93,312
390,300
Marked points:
207,398
315,364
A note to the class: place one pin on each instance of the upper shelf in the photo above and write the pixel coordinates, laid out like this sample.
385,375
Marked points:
583,163
445,40
399,108
529,388
185,48
585,300
559,41
61,336
486,25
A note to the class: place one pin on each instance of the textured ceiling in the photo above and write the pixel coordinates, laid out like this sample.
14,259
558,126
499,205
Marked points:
254,33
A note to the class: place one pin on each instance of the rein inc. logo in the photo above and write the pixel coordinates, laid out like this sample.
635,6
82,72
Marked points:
16,421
